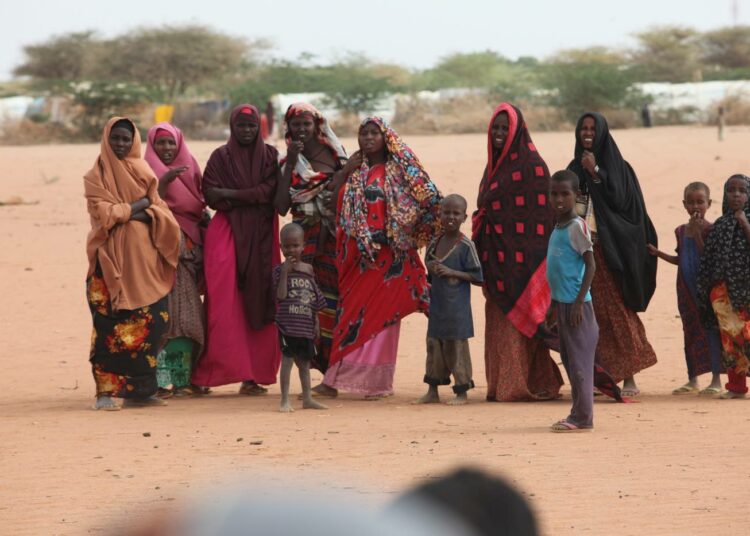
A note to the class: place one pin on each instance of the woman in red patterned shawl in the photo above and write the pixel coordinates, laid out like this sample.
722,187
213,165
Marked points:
314,167
511,228
388,208
241,248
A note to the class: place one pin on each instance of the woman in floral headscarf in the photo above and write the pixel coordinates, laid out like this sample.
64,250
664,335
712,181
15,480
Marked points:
388,208
314,166
132,250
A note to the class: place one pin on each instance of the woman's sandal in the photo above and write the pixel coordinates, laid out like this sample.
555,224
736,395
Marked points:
730,395
564,427
252,389
710,391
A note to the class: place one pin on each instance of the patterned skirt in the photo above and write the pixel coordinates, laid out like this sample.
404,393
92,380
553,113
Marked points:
623,348
124,344
517,368
734,326
322,256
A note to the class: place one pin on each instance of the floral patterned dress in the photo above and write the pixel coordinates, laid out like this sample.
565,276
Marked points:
124,344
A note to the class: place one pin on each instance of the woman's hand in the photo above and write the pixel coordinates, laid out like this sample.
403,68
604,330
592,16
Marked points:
352,165
214,196
172,174
293,151
740,215
588,161
140,216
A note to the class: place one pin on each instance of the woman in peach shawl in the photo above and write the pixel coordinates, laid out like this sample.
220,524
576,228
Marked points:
132,250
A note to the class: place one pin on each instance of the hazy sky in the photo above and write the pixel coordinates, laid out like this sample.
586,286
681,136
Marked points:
411,32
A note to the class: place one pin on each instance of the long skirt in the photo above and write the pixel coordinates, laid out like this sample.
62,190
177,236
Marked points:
234,352
124,344
734,326
369,370
322,256
186,333
623,348
517,368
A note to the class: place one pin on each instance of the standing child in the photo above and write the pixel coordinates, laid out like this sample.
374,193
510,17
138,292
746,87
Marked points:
453,265
702,346
570,271
724,283
298,300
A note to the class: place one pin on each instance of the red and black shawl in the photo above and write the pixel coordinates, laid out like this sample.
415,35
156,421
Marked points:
253,168
512,225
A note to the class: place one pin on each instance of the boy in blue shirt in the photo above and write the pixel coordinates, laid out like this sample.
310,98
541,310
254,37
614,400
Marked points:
570,271
453,266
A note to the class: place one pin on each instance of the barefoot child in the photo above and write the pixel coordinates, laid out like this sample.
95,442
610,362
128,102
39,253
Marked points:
298,300
702,346
724,283
570,271
453,265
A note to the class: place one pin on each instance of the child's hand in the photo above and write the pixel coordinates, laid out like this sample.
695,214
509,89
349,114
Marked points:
740,215
576,314
652,249
441,270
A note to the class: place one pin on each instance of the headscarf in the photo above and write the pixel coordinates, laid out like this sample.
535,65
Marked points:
308,187
412,199
254,168
512,225
137,261
725,257
622,223
184,195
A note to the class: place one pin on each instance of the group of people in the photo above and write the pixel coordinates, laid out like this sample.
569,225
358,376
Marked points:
565,262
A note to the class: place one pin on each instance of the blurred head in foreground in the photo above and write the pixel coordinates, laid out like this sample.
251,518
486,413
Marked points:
484,503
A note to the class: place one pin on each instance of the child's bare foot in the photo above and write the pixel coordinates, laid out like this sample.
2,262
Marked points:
106,403
460,400
431,397
150,401
324,390
286,407
311,403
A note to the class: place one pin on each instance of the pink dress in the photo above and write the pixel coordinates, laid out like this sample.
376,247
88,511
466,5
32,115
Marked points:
234,352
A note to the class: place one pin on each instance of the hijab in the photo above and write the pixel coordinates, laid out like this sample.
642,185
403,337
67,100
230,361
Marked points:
137,260
622,223
412,200
253,168
183,195
512,225
726,257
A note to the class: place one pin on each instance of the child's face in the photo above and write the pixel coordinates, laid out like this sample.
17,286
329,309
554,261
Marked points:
452,215
562,197
696,203
736,193
292,245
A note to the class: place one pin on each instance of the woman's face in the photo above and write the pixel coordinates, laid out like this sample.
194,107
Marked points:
246,128
371,140
302,127
165,147
587,133
499,130
737,194
121,141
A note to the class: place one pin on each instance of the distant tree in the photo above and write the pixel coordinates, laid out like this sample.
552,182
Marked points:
57,60
352,84
668,54
474,69
727,48
578,82
172,59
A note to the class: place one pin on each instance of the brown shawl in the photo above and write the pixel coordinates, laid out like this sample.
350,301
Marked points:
137,260
253,168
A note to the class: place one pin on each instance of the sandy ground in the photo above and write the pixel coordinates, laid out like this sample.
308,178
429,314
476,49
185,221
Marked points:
666,465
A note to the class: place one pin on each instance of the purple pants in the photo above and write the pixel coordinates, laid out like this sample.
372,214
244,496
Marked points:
577,349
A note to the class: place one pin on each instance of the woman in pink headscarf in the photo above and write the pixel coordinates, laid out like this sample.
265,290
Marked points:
180,186
240,252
